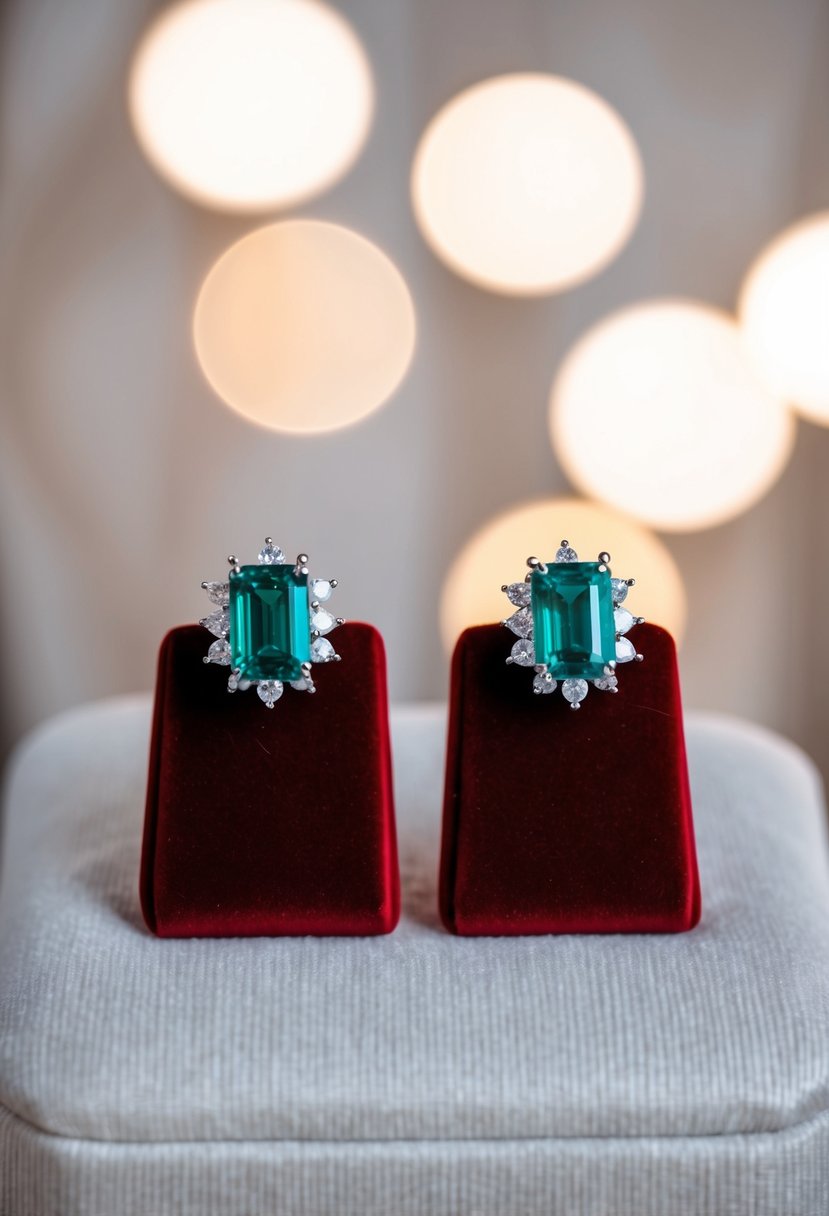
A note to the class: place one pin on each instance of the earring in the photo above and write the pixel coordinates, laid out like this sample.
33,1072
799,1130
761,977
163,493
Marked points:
571,625
270,625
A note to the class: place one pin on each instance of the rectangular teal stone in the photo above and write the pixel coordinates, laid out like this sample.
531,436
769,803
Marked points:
573,628
270,635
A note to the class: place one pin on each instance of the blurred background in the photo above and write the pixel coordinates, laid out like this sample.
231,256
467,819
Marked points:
566,285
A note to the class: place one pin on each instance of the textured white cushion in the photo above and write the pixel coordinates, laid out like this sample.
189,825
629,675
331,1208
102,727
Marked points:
417,1073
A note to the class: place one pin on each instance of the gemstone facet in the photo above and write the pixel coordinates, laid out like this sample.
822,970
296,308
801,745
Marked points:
269,633
573,627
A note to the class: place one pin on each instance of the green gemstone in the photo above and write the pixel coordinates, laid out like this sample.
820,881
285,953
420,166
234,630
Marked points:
270,637
573,626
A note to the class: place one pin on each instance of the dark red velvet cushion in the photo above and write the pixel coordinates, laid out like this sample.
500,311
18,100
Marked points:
558,821
266,821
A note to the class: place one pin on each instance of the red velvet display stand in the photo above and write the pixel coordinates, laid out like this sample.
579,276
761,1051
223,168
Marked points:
563,822
270,822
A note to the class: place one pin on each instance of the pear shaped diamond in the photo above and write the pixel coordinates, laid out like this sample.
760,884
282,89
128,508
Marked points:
321,590
218,593
574,691
322,651
623,620
219,652
607,683
271,554
544,683
218,623
625,650
322,621
523,653
521,623
519,594
619,589
269,691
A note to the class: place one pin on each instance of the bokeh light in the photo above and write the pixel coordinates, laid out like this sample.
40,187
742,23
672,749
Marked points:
304,326
784,313
497,554
247,105
657,412
527,184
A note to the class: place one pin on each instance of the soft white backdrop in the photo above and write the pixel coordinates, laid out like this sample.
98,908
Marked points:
125,481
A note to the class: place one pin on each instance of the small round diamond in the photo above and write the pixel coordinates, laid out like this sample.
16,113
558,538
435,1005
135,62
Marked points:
269,691
566,554
625,650
271,554
574,691
544,683
306,684
321,651
219,652
321,590
624,620
519,594
523,653
322,620
521,623
619,589
217,593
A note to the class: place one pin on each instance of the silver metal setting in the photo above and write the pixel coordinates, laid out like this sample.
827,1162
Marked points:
320,624
521,623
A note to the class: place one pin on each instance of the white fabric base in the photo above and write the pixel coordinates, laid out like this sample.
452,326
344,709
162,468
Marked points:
417,1073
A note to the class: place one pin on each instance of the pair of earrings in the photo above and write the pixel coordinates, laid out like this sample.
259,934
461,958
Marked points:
271,624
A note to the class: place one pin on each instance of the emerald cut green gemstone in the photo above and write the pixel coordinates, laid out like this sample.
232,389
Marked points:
270,637
573,627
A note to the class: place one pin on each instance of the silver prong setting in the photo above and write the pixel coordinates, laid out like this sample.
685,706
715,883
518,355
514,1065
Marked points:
219,623
551,597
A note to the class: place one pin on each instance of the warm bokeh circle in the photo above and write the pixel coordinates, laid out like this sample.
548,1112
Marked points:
784,313
527,183
304,326
247,105
657,412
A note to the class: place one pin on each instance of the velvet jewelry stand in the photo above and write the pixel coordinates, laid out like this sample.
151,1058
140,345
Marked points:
270,822
563,822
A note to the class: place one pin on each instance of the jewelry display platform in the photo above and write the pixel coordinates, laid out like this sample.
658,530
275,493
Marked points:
270,822
566,822
418,1073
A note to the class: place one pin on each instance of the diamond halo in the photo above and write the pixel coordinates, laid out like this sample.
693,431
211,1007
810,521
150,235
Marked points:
570,624
289,610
